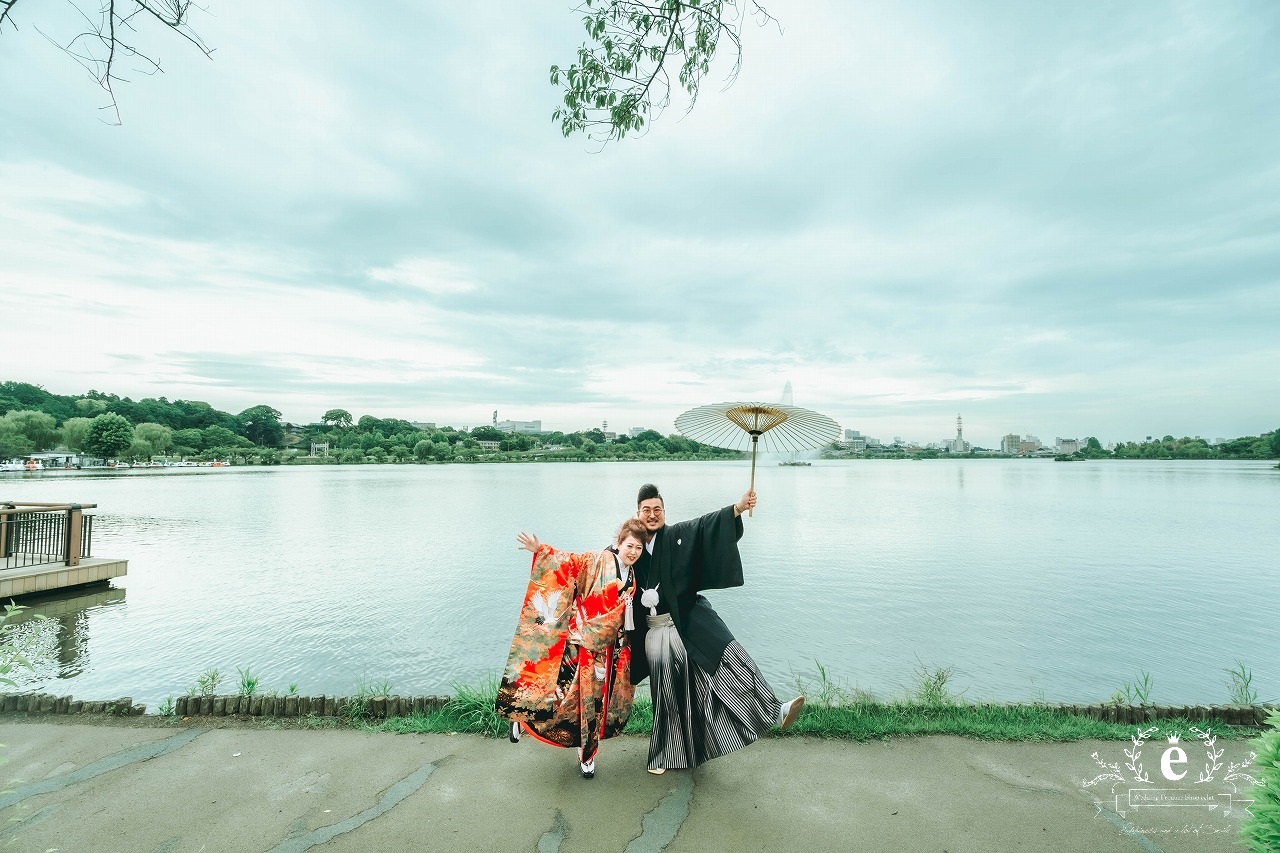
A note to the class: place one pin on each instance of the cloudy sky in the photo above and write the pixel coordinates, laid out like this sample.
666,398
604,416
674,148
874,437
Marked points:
1061,220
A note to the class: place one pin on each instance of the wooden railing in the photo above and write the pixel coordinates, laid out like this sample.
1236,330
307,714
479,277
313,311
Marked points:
33,534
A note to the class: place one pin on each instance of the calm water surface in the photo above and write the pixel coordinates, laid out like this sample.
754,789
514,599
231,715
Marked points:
1034,580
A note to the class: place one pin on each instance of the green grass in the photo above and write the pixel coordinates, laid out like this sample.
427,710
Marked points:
471,711
876,721
641,720
928,707
828,715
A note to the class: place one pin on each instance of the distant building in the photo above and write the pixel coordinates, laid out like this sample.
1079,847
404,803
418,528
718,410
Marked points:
958,444
873,442
54,459
487,445
1030,444
858,445
523,427
1068,445
422,426
851,434
1009,444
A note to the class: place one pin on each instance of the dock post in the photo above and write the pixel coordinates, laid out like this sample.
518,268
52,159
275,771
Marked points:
75,526
6,531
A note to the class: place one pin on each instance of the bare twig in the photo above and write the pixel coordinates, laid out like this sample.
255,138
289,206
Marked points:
108,38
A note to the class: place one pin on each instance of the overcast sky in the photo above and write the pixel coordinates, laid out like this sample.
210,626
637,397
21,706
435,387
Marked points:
1053,219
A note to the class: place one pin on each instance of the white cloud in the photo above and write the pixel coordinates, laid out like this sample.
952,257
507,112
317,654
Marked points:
427,275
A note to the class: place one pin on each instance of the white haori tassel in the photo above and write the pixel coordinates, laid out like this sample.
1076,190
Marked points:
649,598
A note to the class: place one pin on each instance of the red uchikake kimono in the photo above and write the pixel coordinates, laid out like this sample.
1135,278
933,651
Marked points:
568,677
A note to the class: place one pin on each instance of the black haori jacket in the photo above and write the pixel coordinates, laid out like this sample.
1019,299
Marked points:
689,557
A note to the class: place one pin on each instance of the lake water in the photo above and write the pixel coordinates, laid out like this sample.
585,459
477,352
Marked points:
1032,579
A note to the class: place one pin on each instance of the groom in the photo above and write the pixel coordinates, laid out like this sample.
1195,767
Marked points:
680,561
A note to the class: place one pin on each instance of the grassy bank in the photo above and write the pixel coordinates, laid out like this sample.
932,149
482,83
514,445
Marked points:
472,711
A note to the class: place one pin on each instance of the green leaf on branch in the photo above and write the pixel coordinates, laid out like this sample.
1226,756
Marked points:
622,76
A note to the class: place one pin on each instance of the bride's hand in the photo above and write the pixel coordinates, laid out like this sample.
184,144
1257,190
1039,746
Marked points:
528,542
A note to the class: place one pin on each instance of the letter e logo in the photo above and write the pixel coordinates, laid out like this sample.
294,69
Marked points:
1173,755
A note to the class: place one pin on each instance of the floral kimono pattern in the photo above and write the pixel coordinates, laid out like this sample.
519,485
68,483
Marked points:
568,677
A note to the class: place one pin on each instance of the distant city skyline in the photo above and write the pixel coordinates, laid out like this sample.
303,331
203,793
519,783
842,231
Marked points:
1056,220
566,422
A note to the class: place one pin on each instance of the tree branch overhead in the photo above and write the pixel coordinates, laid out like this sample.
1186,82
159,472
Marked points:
621,78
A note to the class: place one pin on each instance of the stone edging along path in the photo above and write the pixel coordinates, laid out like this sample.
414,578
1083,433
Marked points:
382,707
379,707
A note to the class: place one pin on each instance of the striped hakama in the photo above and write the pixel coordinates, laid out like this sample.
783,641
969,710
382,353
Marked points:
698,716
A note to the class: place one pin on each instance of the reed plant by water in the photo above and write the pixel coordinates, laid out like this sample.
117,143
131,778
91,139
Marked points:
931,684
1240,684
1136,692
206,684
248,681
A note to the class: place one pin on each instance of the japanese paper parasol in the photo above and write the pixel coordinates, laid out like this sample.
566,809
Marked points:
769,427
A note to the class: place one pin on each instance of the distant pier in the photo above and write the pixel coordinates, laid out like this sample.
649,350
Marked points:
47,547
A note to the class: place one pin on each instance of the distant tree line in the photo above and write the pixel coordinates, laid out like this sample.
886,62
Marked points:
110,427
1265,446
383,439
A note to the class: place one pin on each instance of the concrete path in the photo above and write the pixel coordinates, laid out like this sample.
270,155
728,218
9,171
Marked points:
186,789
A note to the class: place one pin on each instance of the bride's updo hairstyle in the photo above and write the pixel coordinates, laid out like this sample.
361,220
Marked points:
632,527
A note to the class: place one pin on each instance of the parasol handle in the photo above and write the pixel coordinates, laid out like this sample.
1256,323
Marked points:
755,439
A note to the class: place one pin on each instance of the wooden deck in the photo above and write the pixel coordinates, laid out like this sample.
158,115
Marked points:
49,577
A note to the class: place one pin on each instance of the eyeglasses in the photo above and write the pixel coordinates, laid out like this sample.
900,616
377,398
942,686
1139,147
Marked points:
647,511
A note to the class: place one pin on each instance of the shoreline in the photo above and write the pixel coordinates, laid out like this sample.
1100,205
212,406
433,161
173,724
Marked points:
473,713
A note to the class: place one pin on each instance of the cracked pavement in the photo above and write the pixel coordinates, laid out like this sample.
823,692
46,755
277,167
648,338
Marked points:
87,787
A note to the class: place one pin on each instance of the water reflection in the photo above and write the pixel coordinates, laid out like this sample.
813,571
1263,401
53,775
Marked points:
54,630
1016,573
